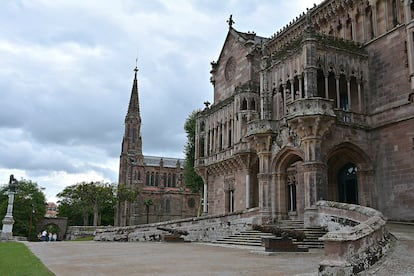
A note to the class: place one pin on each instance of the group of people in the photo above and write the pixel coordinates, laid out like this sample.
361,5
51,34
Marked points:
45,236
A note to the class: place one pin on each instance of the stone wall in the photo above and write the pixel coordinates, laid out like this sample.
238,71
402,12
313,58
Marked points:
75,232
207,228
356,237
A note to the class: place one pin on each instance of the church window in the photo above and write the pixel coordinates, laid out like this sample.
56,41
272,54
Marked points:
139,175
229,138
147,179
169,180
152,179
174,180
157,179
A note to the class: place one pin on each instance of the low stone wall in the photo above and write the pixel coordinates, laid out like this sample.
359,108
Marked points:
207,228
356,237
75,232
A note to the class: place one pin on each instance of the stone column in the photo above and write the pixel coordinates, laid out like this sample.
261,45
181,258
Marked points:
338,98
327,86
205,193
279,199
359,96
348,90
247,190
300,85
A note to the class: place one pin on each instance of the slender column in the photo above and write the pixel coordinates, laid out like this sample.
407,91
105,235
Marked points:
348,88
338,99
326,86
284,99
205,193
292,90
359,96
300,86
247,191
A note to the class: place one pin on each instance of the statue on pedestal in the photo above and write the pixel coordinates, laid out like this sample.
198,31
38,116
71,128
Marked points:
8,221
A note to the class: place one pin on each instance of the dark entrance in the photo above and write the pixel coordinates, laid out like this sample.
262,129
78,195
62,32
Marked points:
348,184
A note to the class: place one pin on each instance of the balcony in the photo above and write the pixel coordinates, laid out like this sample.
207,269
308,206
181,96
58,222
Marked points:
310,106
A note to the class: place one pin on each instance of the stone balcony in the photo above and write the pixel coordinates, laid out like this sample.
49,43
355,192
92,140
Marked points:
223,154
310,106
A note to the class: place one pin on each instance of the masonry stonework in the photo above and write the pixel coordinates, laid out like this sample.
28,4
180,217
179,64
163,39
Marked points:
323,109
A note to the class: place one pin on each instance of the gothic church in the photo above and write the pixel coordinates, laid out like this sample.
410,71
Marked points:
158,181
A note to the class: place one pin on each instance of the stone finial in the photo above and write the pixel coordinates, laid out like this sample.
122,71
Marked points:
207,104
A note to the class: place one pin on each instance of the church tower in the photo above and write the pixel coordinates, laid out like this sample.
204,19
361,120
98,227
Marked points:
131,164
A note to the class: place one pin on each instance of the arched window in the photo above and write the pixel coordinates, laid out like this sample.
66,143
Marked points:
169,180
147,179
157,179
244,104
320,83
152,179
253,105
394,13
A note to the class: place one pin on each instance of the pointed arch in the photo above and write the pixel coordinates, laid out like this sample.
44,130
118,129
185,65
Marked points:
349,154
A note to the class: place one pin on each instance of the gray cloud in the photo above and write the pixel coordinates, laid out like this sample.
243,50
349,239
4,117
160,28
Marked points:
67,69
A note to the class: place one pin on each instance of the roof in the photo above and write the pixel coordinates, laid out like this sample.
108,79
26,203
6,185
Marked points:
168,161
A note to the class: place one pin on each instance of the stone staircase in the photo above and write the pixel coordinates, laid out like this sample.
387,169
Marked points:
254,238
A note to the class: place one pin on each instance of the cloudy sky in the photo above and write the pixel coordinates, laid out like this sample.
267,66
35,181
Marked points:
66,71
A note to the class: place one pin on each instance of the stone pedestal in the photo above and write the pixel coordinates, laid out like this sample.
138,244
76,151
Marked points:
7,230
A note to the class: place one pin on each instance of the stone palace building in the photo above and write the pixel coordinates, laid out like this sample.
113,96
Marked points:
323,109
158,180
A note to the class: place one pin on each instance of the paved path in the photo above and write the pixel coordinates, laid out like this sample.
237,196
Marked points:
158,258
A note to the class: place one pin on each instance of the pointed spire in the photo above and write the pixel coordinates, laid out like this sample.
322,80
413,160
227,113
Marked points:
133,109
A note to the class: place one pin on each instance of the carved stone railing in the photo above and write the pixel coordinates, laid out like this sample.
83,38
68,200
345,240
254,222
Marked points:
223,154
261,126
351,118
356,237
310,106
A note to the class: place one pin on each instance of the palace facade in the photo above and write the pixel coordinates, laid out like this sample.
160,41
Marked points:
323,109
157,182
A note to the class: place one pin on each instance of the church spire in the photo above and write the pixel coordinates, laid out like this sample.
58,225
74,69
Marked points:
133,108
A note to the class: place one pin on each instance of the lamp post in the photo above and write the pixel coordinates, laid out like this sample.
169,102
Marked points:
8,221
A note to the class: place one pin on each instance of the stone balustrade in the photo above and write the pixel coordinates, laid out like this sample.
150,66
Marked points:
206,229
261,126
356,237
310,106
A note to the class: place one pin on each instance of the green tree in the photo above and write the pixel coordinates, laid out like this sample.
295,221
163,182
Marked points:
148,202
191,178
84,200
28,209
125,195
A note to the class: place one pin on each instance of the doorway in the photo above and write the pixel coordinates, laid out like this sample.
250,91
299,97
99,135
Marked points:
348,184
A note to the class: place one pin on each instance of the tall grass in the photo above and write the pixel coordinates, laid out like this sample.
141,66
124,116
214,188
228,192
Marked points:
17,259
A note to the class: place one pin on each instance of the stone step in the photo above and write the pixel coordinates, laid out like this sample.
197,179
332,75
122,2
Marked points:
254,238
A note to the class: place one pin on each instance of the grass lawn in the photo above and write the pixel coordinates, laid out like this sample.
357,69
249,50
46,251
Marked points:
17,259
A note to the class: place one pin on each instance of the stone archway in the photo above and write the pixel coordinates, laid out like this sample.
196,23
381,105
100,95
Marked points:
350,175
287,183
60,223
